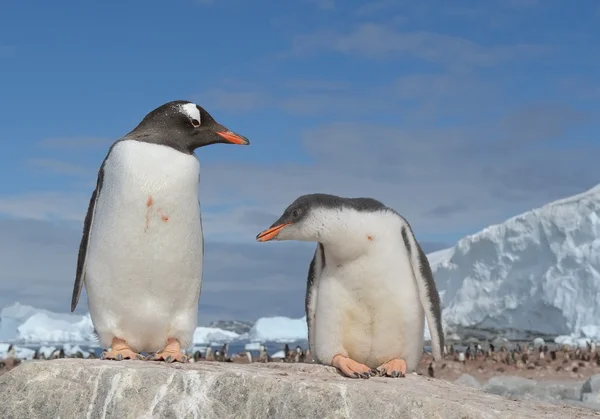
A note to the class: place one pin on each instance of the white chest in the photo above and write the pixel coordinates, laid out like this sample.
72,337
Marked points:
148,212
136,169
369,306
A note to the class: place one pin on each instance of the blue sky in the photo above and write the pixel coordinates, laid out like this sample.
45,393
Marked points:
458,115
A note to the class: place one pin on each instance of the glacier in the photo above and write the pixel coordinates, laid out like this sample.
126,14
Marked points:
535,273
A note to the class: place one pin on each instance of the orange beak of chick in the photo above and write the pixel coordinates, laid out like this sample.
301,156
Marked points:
270,233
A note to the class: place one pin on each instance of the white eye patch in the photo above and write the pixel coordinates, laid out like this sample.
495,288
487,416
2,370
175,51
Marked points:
191,111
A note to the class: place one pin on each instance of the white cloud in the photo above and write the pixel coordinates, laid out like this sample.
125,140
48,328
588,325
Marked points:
58,166
374,40
71,143
46,205
445,180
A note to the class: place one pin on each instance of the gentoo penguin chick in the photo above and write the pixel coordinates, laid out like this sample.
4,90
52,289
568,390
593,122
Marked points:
369,285
142,248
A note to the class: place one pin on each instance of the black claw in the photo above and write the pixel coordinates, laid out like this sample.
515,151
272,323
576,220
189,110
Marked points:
365,375
382,372
374,372
357,375
169,359
395,374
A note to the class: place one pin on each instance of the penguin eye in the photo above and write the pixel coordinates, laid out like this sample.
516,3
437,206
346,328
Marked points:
295,213
195,122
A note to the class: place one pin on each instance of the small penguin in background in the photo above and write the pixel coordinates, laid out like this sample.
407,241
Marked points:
299,355
225,352
208,354
263,355
369,285
142,248
430,370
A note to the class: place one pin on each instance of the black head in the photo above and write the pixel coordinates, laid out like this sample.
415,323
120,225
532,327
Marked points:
184,126
321,206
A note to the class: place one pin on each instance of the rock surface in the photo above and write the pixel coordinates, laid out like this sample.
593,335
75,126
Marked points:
592,385
76,388
468,380
526,389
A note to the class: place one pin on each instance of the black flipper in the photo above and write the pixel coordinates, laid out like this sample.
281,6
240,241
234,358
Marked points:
428,294
85,238
314,273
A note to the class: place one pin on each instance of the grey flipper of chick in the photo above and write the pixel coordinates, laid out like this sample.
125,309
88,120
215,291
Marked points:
428,294
314,273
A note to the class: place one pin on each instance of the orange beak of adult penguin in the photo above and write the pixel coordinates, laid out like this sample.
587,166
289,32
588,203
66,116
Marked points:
270,233
234,138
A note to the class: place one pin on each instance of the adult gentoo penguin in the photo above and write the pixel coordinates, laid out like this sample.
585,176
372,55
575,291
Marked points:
142,248
369,285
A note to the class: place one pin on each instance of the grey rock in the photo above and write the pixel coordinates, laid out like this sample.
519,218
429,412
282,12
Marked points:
585,404
83,388
561,389
591,398
468,380
592,385
509,386
525,388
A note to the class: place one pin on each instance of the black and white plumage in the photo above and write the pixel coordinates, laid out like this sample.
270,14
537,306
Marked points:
142,247
369,283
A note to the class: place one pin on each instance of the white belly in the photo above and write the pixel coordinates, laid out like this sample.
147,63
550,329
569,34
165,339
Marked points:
370,309
144,263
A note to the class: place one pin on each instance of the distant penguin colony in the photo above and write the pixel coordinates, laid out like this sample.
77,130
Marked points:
142,249
369,285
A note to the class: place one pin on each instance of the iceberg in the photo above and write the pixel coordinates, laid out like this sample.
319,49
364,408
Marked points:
209,335
278,329
252,346
23,324
536,273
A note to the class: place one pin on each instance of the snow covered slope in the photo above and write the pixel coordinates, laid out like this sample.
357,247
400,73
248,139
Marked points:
538,271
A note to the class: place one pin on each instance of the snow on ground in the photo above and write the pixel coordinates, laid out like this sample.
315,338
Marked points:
278,355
